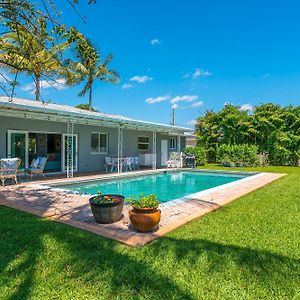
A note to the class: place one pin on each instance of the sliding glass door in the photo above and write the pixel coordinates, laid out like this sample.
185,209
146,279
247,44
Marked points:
18,146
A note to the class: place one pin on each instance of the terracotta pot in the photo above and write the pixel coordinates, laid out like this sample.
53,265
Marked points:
105,213
144,219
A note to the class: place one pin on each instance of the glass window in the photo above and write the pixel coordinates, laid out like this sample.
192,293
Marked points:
172,143
99,143
143,142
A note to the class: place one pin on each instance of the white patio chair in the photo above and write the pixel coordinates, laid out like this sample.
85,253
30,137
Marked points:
136,162
128,163
109,162
9,169
174,160
37,166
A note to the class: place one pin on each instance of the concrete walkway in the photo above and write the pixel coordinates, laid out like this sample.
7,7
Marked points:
72,209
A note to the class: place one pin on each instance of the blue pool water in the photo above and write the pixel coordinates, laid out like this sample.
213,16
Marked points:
169,186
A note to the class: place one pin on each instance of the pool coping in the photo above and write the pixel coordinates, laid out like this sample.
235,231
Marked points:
177,212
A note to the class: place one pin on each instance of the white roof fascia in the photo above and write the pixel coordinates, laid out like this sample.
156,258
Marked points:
84,118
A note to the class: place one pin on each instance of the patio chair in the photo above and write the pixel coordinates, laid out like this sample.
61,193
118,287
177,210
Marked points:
109,162
136,162
9,169
37,166
174,160
128,163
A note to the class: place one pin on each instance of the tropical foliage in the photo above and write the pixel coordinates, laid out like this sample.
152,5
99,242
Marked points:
35,43
33,52
239,155
85,106
200,154
274,129
89,66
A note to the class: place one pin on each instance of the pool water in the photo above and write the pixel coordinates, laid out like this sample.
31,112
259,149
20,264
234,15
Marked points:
167,186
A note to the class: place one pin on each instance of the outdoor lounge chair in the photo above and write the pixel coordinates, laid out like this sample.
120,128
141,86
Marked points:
37,166
9,169
174,160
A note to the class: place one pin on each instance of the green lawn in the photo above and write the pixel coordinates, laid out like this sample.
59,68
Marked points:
249,249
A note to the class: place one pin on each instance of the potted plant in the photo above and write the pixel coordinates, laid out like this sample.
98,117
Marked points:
145,214
107,208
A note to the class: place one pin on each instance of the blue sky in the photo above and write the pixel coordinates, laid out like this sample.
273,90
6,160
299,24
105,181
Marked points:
193,54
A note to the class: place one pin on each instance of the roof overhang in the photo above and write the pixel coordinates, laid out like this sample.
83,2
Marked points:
11,109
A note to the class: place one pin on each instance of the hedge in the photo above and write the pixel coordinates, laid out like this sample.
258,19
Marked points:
200,154
239,155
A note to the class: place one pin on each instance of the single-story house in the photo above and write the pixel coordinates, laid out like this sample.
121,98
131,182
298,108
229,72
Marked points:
76,140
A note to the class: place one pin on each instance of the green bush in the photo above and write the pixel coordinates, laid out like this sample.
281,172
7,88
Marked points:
240,155
200,154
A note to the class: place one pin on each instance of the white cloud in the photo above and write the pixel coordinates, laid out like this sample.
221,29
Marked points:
197,104
175,106
185,98
59,84
246,107
126,86
155,42
197,74
152,100
201,73
191,122
140,79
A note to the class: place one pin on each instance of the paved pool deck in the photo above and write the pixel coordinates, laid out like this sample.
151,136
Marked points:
73,209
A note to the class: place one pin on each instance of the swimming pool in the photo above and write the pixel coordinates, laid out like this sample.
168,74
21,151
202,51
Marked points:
166,185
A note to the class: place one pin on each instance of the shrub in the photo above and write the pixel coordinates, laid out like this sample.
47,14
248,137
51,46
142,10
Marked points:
200,154
240,155
263,159
141,201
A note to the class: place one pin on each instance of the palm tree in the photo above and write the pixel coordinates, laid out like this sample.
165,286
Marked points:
89,68
32,53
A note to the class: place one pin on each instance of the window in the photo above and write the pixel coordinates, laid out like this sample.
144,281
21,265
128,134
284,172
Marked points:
172,143
99,143
143,142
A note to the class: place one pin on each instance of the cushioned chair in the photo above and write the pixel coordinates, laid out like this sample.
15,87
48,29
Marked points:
37,166
9,169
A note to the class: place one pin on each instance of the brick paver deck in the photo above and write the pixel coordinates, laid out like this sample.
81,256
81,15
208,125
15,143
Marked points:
74,209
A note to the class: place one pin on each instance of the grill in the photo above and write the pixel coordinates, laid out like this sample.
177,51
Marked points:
189,160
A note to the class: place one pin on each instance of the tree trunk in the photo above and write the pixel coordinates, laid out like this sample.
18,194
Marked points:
37,87
90,96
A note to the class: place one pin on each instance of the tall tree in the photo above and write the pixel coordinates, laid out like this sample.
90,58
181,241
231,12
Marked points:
274,129
89,67
34,53
23,14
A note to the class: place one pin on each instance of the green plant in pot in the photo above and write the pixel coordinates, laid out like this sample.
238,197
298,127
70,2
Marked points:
107,208
145,215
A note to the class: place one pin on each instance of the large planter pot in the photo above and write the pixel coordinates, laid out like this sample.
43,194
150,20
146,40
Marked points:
144,219
105,213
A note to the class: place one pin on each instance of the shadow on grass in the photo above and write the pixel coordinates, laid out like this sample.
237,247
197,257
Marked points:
109,269
23,239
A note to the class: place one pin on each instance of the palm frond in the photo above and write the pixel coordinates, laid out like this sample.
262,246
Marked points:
84,90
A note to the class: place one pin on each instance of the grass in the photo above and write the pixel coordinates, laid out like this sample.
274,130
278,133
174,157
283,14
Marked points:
249,249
